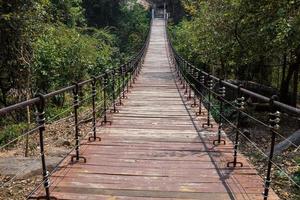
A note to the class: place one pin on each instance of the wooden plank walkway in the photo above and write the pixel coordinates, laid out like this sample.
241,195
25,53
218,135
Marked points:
156,148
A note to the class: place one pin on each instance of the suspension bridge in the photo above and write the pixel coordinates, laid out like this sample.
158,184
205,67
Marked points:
157,139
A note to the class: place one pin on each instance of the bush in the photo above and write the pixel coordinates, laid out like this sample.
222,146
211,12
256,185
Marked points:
64,55
11,132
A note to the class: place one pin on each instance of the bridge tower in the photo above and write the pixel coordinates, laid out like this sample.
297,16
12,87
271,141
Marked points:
159,8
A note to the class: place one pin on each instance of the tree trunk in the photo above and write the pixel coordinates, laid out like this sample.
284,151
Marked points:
28,125
284,68
294,139
223,70
293,69
284,90
295,87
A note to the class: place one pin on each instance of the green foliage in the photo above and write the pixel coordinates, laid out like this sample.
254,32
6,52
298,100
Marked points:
15,48
215,108
133,26
46,44
11,132
102,13
49,44
64,55
70,12
296,175
243,40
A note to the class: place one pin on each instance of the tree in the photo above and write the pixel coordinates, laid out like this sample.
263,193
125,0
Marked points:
69,12
102,13
132,27
15,50
48,44
244,40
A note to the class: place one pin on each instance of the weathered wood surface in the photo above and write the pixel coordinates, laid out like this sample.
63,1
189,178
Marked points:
156,148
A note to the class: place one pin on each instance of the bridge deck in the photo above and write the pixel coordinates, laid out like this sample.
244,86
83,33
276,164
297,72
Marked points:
155,148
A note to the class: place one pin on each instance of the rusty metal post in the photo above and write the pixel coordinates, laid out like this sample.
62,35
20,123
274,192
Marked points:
239,107
196,76
175,63
123,82
130,75
139,68
128,81
114,110
177,68
105,92
120,87
191,71
77,142
221,95
183,75
210,88
94,94
135,71
127,76
186,72
180,71
201,81
40,119
274,119
140,65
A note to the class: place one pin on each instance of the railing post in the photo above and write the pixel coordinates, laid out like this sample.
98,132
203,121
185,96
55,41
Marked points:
123,82
210,87
177,70
186,76
141,62
173,57
94,94
77,142
194,104
239,107
191,71
180,71
201,81
183,74
165,11
40,119
152,13
120,86
105,92
128,74
221,95
274,119
139,67
135,71
130,71
114,110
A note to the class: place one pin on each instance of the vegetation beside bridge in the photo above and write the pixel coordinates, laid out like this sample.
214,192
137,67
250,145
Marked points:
255,44
48,44
245,40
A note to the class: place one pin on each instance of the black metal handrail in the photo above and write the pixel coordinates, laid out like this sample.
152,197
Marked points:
203,85
113,85
282,106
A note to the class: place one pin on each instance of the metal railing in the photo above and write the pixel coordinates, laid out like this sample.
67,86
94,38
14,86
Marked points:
108,90
210,91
